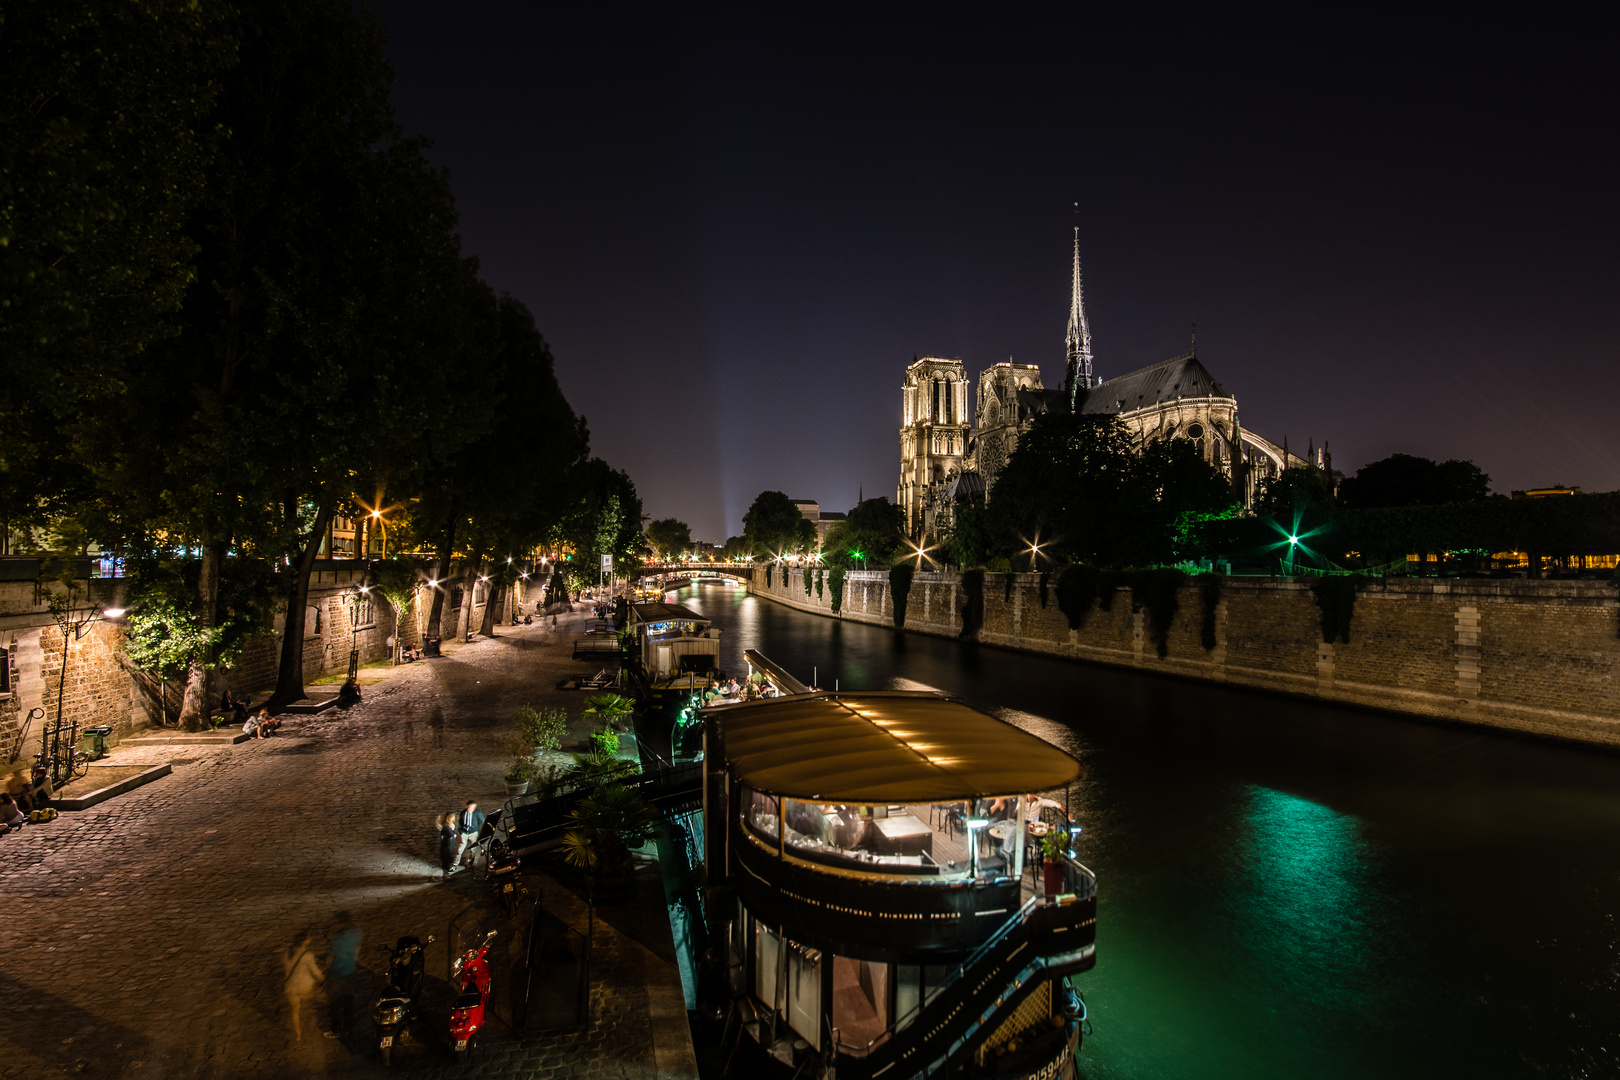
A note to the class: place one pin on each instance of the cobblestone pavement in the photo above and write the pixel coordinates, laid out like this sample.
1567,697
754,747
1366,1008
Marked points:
142,937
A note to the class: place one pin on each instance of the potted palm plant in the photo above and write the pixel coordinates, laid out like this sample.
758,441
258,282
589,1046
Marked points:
607,823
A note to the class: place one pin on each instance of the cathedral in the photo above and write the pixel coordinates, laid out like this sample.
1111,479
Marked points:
944,460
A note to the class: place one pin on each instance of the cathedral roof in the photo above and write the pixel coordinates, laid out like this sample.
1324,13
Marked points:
1180,377
968,487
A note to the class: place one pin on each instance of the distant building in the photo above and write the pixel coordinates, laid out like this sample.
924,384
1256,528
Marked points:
943,461
814,515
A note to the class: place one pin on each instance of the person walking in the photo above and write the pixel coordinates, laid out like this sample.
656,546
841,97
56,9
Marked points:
344,964
303,975
447,840
468,822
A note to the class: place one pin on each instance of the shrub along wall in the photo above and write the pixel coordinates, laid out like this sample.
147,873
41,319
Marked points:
1534,656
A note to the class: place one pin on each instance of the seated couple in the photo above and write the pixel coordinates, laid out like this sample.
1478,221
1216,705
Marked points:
261,724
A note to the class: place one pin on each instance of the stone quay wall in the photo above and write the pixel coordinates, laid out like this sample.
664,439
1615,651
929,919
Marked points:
1541,657
102,690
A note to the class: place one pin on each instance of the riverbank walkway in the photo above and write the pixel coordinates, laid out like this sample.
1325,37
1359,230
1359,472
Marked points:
144,936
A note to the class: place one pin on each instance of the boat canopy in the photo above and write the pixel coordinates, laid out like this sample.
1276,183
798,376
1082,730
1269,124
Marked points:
884,746
662,613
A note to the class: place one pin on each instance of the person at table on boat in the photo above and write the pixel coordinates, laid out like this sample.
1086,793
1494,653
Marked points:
1034,803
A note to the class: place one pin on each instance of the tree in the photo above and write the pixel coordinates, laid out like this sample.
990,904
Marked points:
104,140
1071,485
774,526
1404,480
1182,486
870,535
669,537
604,518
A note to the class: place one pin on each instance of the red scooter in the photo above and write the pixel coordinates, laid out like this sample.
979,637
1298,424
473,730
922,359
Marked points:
471,976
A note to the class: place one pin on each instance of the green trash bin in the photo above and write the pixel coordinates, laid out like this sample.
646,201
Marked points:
94,742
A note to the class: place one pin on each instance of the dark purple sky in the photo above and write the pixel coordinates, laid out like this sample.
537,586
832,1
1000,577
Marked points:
736,232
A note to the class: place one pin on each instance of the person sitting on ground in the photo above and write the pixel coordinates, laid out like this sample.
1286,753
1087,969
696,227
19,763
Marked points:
260,724
350,692
9,813
235,707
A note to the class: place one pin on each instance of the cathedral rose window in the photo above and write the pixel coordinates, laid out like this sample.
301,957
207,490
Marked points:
1196,431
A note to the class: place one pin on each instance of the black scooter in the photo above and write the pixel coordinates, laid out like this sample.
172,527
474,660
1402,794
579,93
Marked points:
397,1006
502,867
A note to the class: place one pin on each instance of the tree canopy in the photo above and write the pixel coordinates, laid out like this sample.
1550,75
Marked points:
1076,487
774,526
870,535
669,537
1405,480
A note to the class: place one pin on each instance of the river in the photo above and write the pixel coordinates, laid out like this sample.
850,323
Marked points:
1291,889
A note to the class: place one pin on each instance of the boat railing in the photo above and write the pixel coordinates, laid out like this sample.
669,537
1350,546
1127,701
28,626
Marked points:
1079,882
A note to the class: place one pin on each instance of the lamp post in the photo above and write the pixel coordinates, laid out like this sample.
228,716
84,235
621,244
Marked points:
376,515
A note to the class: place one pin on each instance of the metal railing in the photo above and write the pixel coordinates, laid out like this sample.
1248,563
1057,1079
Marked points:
1079,882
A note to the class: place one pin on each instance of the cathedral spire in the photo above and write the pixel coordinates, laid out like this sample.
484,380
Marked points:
1078,342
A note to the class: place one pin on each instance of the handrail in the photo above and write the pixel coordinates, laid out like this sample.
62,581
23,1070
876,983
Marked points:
972,960
1073,868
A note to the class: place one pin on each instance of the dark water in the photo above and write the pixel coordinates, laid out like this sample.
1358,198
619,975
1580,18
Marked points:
1291,889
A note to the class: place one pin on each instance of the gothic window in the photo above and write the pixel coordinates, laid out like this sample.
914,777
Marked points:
1196,431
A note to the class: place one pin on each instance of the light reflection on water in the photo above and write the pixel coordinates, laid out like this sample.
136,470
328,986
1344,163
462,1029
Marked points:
1290,889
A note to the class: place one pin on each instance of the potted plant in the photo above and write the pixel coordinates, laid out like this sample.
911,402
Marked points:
607,824
1053,848
521,770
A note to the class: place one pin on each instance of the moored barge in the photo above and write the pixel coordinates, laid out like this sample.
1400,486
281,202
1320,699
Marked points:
897,896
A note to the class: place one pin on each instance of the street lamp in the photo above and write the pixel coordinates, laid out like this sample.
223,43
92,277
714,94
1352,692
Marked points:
376,515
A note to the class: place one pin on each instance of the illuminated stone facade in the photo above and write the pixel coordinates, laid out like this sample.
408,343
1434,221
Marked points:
933,441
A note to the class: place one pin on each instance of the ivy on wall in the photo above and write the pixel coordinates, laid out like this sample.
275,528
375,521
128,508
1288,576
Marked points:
973,604
835,583
808,577
821,577
900,589
1046,580
1076,589
768,567
1209,593
1336,600
1158,591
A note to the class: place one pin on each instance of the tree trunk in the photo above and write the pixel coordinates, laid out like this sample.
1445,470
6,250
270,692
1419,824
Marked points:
469,597
194,702
290,679
492,605
436,616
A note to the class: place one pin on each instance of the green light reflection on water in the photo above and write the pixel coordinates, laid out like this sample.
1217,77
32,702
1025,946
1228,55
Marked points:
1255,960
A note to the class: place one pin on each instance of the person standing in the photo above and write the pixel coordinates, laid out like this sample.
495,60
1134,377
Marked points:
344,965
303,975
468,822
447,840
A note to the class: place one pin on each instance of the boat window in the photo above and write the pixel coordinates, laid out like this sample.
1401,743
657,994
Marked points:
860,1001
767,950
759,814
802,983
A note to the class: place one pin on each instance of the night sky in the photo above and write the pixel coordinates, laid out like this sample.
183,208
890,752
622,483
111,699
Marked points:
737,231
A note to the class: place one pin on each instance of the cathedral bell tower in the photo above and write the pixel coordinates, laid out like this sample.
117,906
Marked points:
933,439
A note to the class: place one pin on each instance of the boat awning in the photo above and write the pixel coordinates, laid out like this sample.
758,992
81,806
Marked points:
884,746
657,613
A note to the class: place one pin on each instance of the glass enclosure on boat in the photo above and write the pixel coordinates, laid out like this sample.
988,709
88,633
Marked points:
981,839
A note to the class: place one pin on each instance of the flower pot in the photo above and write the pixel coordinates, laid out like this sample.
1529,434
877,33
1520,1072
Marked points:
1052,877
516,787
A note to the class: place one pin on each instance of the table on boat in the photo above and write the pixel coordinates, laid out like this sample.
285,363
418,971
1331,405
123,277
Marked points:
903,834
